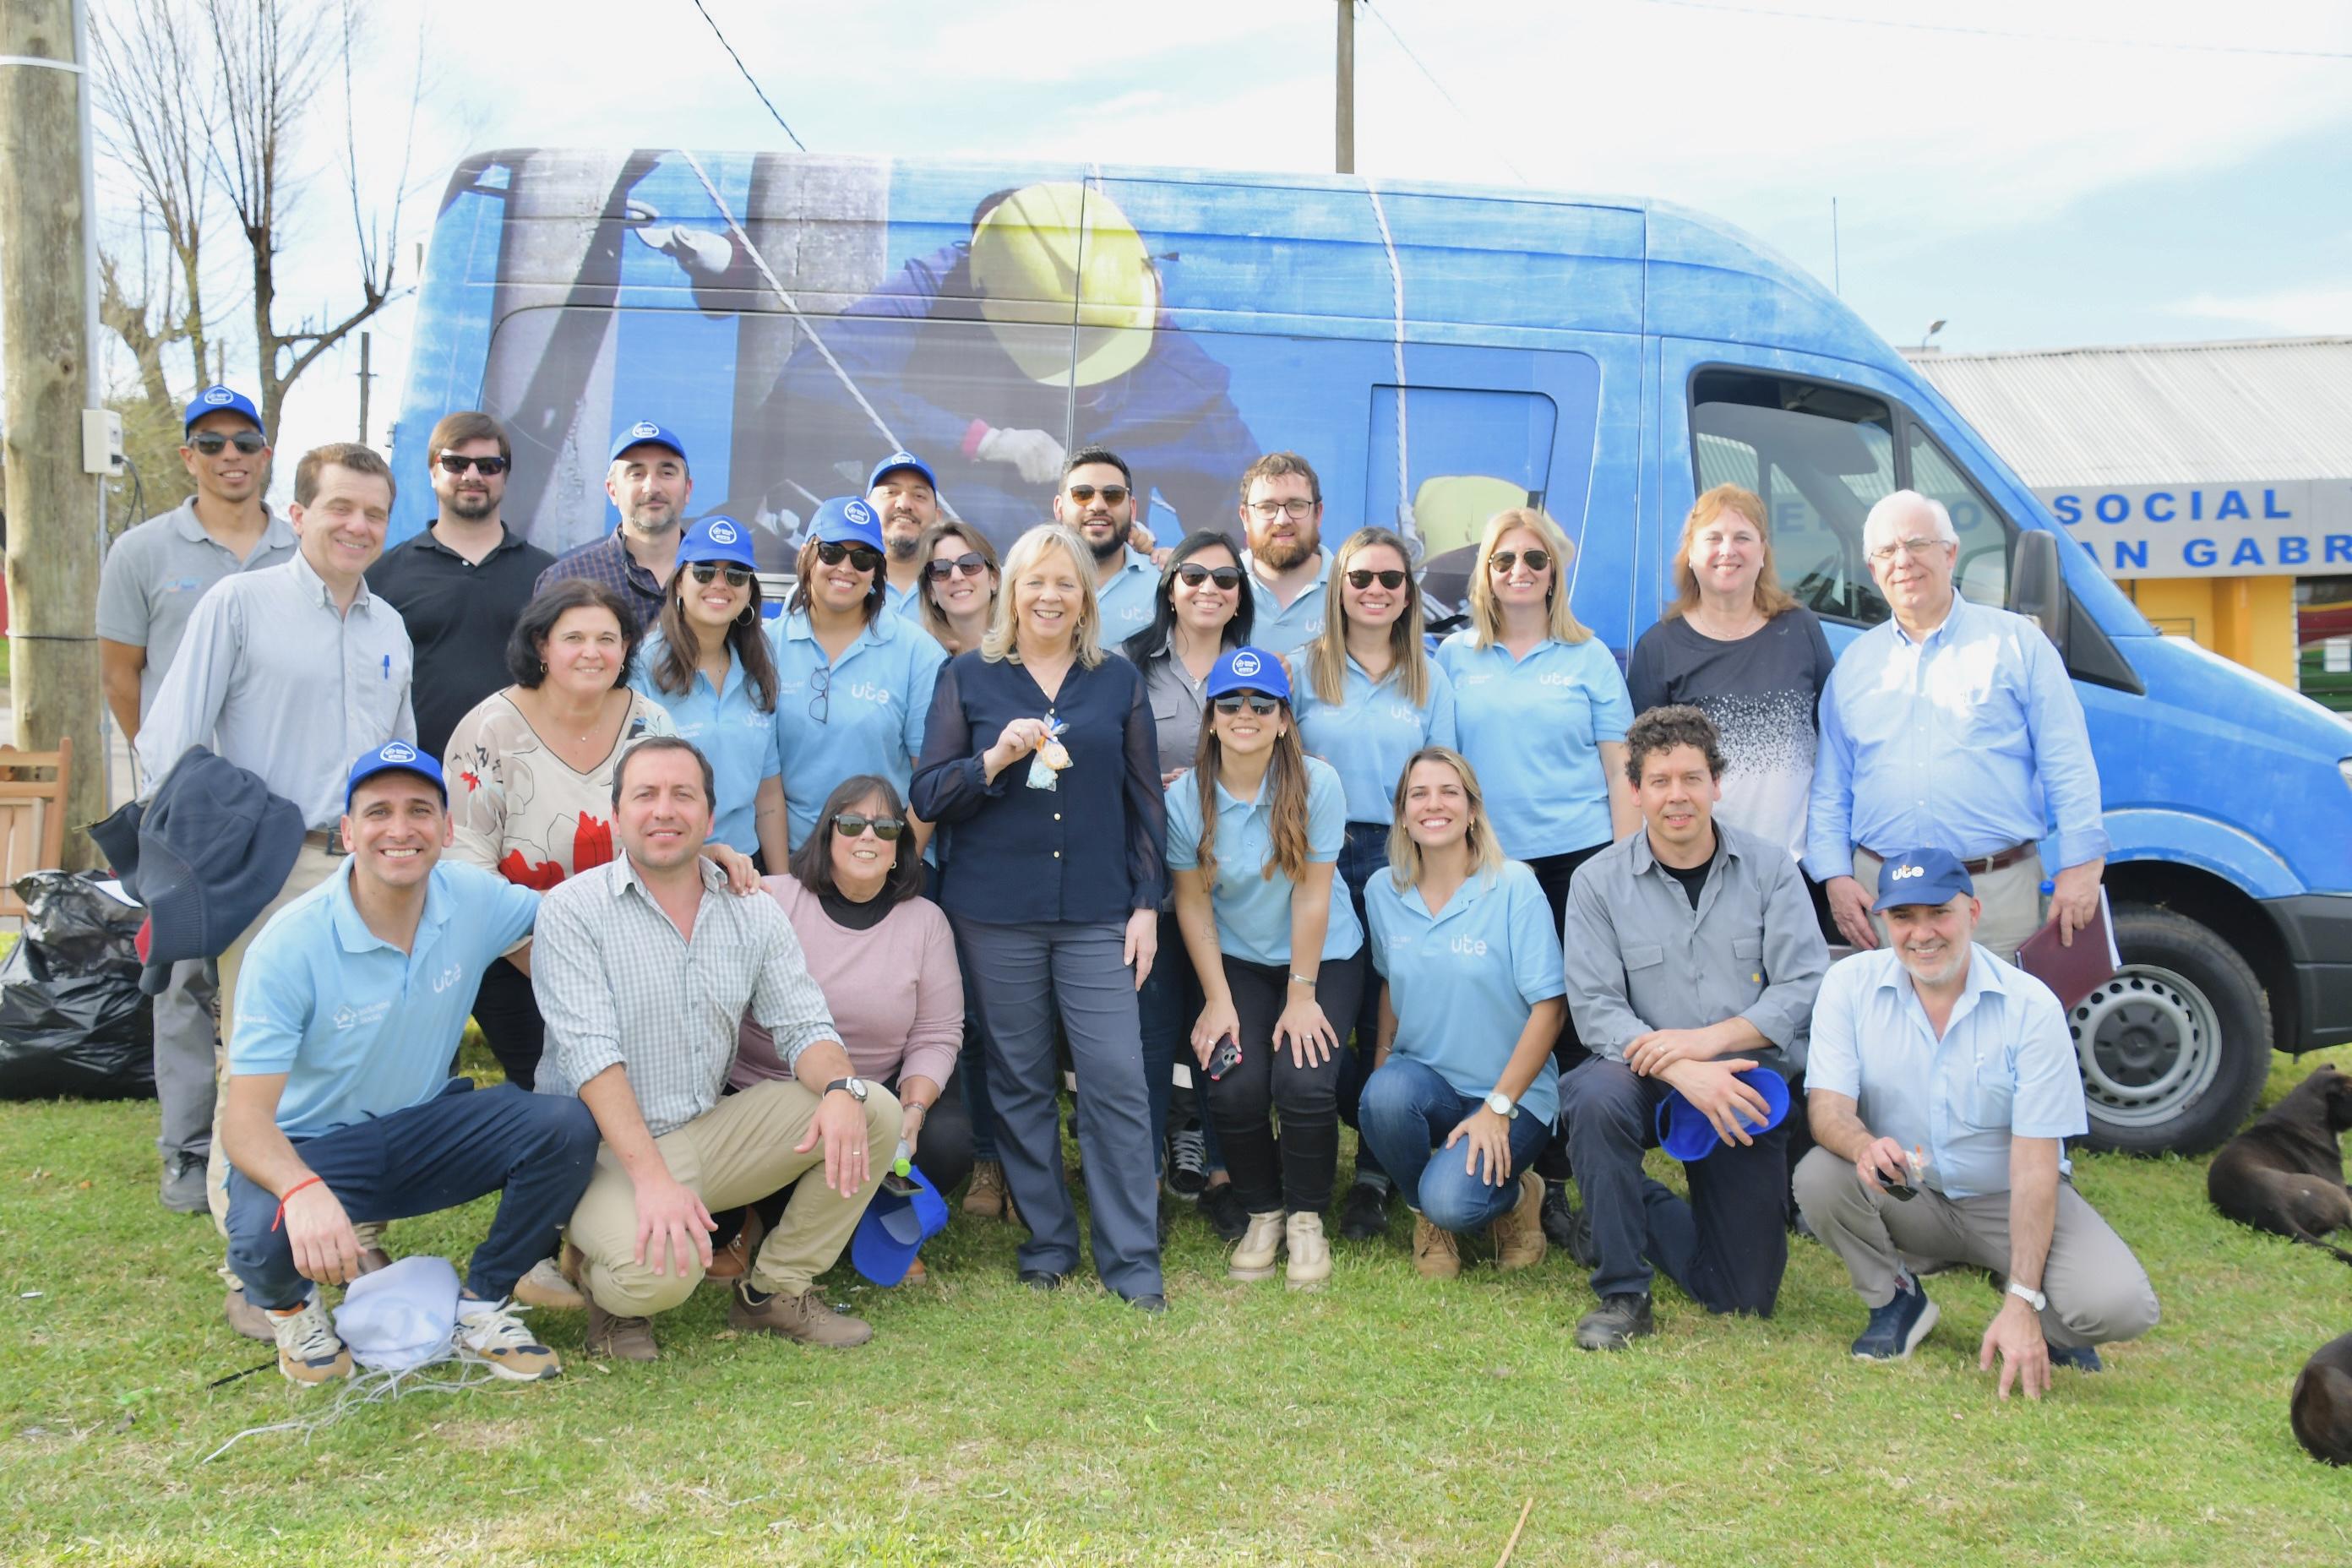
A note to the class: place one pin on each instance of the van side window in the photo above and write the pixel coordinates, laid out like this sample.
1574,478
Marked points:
1981,572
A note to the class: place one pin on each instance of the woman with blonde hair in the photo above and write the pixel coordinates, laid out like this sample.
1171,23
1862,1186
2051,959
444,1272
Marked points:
1734,645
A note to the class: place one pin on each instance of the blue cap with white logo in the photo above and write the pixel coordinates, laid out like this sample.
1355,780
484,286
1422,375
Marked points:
1249,669
393,757
846,520
716,537
221,400
646,433
1922,876
898,460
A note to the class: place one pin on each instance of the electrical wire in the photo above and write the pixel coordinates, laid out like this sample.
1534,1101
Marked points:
1966,30
1382,17
748,77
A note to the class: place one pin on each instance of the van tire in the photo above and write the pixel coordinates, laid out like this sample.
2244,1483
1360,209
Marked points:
2177,1046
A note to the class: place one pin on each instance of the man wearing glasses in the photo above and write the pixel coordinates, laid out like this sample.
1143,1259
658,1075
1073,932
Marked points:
649,484
1098,501
460,586
1953,726
152,580
905,497
1282,517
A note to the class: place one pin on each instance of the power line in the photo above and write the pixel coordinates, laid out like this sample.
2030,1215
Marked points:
748,77
1494,147
1963,30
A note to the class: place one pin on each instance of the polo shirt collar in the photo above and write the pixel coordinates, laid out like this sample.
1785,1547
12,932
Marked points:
1465,898
1315,585
1646,858
275,530
1986,974
507,540
352,930
882,628
1228,801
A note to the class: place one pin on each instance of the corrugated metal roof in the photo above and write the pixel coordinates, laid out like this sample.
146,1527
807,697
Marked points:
2159,412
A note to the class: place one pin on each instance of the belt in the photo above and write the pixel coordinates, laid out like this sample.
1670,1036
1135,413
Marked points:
329,840
1983,864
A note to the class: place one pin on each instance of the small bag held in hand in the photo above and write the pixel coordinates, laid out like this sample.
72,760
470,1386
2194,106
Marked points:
1047,762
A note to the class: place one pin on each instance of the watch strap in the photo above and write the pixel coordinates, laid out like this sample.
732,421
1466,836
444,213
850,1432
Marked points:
2030,1296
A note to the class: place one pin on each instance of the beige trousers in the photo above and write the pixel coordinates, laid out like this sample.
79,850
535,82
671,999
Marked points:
2011,898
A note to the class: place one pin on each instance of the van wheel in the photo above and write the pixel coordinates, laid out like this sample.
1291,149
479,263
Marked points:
2176,1046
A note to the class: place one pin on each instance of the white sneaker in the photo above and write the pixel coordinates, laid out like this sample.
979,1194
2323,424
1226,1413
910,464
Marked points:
1310,1252
309,1353
1254,1255
494,1330
545,1286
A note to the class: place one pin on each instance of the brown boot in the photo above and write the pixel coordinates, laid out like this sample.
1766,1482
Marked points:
986,1195
1434,1256
1519,1235
804,1317
622,1339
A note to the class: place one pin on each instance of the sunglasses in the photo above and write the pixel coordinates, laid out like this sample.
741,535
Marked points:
850,825
212,442
861,557
489,467
1111,494
1233,702
1504,560
972,563
706,571
1363,579
1226,577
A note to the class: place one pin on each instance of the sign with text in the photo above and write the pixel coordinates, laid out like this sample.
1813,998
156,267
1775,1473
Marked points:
2291,528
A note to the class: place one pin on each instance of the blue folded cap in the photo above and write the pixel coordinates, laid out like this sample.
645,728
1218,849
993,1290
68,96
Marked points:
896,460
1249,669
894,1228
1922,876
221,400
716,537
646,433
846,520
393,757
1686,1133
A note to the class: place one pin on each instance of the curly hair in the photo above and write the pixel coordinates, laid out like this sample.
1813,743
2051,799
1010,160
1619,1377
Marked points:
1664,729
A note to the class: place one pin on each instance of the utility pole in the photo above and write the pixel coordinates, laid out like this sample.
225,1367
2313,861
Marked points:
367,378
45,366
1344,131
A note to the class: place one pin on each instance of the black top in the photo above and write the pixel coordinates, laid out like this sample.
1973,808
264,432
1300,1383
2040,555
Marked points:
458,616
851,915
1694,877
1092,850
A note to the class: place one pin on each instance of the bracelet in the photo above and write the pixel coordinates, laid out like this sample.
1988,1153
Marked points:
1298,979
312,1180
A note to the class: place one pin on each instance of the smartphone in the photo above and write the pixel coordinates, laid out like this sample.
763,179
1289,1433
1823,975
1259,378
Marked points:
1226,1058
1897,1190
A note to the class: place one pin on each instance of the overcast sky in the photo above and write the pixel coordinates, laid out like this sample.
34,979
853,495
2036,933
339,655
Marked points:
2048,177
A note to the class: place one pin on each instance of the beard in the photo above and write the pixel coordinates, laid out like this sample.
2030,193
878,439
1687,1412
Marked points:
1109,549
1283,554
901,546
470,506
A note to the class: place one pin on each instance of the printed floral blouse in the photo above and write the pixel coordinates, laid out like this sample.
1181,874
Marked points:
523,811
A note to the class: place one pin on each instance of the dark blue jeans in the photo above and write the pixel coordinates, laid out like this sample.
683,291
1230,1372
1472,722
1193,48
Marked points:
1408,1109
537,1150
1363,854
1169,1004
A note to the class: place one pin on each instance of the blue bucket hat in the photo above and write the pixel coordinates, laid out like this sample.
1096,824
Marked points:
1249,669
847,520
898,460
393,757
1922,876
646,433
894,1228
716,537
221,400
1686,1133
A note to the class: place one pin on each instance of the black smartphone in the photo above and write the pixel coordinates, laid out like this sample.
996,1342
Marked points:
1226,1058
1897,1190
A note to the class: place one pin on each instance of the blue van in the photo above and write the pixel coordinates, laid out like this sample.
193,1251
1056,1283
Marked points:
1438,352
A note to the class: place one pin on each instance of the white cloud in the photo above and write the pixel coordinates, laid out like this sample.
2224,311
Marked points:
2286,311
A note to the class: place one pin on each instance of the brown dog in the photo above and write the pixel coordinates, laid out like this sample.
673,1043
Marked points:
2320,1408
2286,1173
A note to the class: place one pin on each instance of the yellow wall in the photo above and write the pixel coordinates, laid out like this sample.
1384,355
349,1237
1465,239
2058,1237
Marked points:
2248,619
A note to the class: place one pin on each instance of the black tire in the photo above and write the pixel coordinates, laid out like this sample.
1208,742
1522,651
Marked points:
2175,1049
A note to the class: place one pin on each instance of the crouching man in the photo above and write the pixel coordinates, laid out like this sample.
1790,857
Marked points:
644,967
340,1107
1942,1087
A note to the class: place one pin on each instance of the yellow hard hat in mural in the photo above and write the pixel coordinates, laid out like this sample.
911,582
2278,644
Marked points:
1058,244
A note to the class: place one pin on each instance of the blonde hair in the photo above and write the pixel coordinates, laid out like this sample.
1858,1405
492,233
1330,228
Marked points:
1404,854
999,644
1486,611
1327,658
1772,599
954,528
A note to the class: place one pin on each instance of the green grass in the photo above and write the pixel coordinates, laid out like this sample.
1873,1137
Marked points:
1384,1420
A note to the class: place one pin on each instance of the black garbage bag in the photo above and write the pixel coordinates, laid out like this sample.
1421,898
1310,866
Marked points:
73,1020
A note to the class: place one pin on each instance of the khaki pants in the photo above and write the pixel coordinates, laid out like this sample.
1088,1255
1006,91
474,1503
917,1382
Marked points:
2098,1292
735,1153
2011,898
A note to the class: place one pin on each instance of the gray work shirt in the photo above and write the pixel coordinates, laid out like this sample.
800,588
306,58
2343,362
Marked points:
156,574
618,986
275,678
1177,705
1640,958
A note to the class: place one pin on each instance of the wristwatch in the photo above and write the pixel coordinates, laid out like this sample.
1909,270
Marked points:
2030,1296
856,1086
1502,1104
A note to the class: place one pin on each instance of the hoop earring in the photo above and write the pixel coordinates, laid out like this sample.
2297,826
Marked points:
748,618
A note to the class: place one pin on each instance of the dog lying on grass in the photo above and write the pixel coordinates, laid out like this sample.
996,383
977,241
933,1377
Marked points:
2284,1174
2320,1408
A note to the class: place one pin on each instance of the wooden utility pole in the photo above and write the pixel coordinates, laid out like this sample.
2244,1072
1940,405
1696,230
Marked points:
45,369
1344,131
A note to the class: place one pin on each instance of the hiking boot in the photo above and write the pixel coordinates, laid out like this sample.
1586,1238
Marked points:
1365,1214
804,1317
1617,1322
731,1261
622,1339
309,1353
494,1330
1224,1211
1434,1254
182,1189
1518,1235
1558,1215
545,1286
986,1195
1188,1162
1310,1263
2082,1358
247,1318
1254,1256
1895,1329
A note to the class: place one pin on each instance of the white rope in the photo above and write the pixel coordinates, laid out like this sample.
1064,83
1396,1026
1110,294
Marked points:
374,1388
1396,289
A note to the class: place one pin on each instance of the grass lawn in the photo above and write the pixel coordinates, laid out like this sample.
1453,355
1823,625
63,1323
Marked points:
1384,1420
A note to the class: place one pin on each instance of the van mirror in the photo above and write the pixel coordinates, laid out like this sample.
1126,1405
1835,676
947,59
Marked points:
2037,585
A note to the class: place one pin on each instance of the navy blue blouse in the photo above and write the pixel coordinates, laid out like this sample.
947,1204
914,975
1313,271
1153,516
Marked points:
1092,850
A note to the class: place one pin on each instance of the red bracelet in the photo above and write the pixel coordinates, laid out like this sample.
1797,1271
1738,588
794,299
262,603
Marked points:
305,1182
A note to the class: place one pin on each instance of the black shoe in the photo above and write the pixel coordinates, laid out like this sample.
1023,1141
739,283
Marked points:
1224,1212
1152,1304
1578,1244
1365,1214
1042,1279
1617,1322
1559,1213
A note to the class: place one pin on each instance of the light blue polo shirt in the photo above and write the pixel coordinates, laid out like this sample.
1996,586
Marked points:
358,1028
907,601
1129,600
1464,980
875,699
1372,732
1284,629
728,725
1254,908
1532,727
2005,1067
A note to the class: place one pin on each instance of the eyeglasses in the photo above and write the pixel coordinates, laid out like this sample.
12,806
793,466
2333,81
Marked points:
1362,579
1917,549
489,467
1504,560
1226,577
1267,511
211,442
821,693
706,571
1111,494
1256,702
972,563
861,557
851,824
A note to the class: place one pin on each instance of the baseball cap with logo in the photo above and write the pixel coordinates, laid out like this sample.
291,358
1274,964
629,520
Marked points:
1249,669
221,400
1922,876
393,757
716,537
646,433
898,460
846,520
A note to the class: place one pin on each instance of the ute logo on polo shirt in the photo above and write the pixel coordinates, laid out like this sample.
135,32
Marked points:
448,977
1467,946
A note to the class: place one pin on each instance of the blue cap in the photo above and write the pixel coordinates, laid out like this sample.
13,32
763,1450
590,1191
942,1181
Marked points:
846,520
1922,876
894,1228
1249,669
1686,1133
716,537
901,460
646,433
393,757
221,400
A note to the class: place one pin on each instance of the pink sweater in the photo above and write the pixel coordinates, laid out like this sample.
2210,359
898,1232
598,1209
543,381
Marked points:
895,991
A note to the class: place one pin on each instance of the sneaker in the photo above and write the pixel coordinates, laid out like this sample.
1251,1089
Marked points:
1254,1256
1617,1322
804,1317
1519,1235
545,1286
245,1318
1224,1211
1309,1261
1559,1213
183,1188
1188,1162
2082,1358
986,1195
1434,1254
309,1353
622,1339
494,1330
1897,1329
1365,1214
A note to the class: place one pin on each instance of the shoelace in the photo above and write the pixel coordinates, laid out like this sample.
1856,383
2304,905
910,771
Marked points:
498,1327
314,1338
1190,1151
